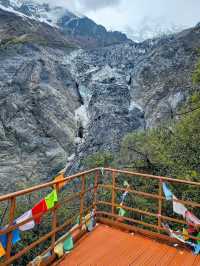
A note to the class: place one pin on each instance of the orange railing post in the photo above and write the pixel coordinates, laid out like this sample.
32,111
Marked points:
54,221
96,180
82,193
160,203
11,220
113,192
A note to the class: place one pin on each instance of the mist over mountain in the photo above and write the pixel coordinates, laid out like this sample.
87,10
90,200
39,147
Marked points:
150,28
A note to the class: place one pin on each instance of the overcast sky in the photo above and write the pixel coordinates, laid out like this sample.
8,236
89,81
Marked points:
138,15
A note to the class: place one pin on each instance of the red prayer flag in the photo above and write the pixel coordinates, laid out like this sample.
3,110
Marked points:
40,207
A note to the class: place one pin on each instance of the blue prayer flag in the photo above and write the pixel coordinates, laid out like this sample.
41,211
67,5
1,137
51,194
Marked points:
197,249
167,192
124,196
15,237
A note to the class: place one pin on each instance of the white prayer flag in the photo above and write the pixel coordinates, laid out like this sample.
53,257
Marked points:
178,207
25,216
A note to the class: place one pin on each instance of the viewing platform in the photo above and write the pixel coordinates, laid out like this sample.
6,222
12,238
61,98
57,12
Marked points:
110,246
101,217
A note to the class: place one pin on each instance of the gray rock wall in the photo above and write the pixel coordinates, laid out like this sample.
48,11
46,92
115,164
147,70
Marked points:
58,105
38,100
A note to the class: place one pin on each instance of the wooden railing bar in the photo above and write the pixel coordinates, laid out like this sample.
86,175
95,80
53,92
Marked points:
128,219
143,212
149,195
15,226
49,184
168,179
77,195
167,218
96,180
128,208
160,203
54,220
113,192
154,196
36,243
11,220
82,199
41,239
78,227
70,178
143,223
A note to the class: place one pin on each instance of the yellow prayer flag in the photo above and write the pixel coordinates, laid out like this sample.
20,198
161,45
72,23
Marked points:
59,178
59,251
185,234
2,250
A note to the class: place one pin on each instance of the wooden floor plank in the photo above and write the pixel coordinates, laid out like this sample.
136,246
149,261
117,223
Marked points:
107,246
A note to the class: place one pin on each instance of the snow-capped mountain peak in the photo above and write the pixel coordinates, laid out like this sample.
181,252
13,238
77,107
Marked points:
84,31
42,12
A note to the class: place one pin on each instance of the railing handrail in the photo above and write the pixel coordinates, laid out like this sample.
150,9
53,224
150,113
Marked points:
45,185
11,197
70,178
167,179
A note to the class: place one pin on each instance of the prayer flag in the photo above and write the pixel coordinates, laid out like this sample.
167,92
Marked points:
68,243
122,212
185,234
59,251
198,241
197,249
124,195
191,229
176,235
126,184
41,208
2,250
102,171
167,192
178,207
30,225
91,223
15,237
191,218
51,199
60,178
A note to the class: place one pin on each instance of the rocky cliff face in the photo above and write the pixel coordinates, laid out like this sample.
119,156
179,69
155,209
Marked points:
59,103
133,86
38,100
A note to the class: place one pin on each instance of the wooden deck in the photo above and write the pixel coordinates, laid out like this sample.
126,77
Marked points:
107,246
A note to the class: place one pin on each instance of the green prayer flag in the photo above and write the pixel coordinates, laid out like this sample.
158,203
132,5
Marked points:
198,241
78,220
68,243
126,184
122,212
51,199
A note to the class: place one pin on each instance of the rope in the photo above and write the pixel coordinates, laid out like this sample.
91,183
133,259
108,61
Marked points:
4,214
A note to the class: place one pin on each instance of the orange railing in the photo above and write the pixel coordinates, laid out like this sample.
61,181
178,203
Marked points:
96,182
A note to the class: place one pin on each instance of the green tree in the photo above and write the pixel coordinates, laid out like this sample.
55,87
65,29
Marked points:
196,74
98,159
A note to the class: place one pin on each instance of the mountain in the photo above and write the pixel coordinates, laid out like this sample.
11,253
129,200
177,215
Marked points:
82,29
60,103
38,99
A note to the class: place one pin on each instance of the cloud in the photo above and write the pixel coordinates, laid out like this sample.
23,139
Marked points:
98,4
82,5
140,19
